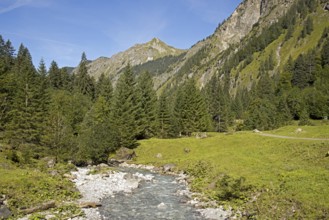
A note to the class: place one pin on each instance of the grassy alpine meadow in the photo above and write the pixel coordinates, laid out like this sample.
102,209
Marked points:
269,178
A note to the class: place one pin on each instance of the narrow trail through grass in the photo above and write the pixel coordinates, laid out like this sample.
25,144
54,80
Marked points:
293,138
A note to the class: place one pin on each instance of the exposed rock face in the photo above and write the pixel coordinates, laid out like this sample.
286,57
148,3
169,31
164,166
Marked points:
138,54
231,32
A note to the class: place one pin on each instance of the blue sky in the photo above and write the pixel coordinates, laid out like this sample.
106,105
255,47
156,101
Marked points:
61,30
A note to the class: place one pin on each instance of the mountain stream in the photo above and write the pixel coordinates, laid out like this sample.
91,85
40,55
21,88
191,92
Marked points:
153,199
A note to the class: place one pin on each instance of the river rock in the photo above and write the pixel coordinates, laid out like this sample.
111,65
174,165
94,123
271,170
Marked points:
215,213
168,167
4,212
113,162
51,161
90,204
162,206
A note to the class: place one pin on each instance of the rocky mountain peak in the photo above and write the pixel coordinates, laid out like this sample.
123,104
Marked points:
136,55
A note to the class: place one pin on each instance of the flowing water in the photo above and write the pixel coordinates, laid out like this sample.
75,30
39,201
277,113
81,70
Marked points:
156,199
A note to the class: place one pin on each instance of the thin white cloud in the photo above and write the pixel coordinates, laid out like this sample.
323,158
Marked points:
7,5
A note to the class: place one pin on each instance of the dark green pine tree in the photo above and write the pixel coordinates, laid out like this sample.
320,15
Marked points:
54,76
165,120
190,110
124,110
84,83
42,98
265,87
97,136
261,115
237,105
146,106
325,54
218,104
284,116
66,82
24,119
6,80
104,88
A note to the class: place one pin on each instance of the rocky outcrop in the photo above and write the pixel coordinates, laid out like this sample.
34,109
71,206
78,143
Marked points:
136,55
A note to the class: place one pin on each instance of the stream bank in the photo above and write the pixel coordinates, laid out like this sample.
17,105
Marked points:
138,191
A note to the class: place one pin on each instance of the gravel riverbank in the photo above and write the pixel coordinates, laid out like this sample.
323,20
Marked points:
95,187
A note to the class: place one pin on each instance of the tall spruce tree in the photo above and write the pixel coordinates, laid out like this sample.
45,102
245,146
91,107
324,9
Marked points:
218,104
24,120
6,80
54,76
84,83
146,106
104,87
165,122
190,110
124,110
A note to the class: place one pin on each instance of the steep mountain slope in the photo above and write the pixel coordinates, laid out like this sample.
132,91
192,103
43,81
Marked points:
227,50
204,58
136,55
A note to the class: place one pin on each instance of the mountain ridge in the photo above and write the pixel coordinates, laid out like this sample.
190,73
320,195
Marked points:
138,54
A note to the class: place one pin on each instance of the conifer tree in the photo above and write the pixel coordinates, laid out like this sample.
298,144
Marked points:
23,125
146,106
54,75
165,121
6,80
124,110
325,54
190,110
97,137
218,103
104,87
84,83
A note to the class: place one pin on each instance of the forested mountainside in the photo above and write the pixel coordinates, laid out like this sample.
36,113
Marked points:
273,71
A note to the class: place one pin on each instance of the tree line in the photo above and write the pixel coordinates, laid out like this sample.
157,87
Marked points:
75,117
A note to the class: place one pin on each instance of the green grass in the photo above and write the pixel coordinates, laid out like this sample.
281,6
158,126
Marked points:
307,131
29,185
286,175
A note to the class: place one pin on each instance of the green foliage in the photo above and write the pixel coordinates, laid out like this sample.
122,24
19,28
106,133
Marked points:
218,104
165,119
97,136
104,88
124,110
146,107
158,66
190,110
261,115
84,83
231,189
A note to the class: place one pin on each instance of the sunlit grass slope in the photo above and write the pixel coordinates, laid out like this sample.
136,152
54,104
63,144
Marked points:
290,176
